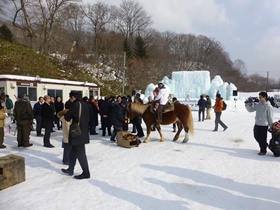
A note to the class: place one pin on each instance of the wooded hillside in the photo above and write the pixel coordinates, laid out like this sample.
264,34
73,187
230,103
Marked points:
108,39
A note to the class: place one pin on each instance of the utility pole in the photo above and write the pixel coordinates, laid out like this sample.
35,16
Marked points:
267,81
124,56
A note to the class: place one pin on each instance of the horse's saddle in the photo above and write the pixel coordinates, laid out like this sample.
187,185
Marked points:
169,107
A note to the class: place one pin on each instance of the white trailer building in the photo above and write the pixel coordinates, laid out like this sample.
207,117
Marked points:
34,87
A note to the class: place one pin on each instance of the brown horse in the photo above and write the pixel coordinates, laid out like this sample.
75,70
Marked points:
181,114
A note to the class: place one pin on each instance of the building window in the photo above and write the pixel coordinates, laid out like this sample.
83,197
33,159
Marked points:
93,93
29,91
2,93
54,93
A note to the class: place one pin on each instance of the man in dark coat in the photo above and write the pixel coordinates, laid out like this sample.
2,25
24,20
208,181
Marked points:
201,108
137,121
86,100
47,120
104,110
118,118
94,116
59,106
78,150
54,112
38,115
23,115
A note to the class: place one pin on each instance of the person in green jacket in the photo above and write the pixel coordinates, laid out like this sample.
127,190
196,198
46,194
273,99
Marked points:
9,105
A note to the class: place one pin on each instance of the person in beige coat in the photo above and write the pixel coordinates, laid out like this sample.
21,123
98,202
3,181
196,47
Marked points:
2,118
65,140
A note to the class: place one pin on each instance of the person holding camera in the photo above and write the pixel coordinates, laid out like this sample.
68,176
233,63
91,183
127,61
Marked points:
263,120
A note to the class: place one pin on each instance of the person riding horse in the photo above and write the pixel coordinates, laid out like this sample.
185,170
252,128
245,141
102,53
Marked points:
163,99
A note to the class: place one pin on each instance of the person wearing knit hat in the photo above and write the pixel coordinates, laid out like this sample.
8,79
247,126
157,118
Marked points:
218,107
263,120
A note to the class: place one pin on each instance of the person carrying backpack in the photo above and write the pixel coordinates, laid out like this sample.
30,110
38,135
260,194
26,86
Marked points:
218,108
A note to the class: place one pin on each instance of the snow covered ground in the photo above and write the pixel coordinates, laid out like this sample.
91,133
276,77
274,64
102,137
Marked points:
214,170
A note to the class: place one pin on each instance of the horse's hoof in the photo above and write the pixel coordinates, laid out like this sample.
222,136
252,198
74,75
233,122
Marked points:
175,139
145,141
185,141
161,140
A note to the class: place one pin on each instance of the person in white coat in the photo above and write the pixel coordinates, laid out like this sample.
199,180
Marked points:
163,99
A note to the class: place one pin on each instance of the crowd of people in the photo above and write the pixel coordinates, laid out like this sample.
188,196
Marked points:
50,112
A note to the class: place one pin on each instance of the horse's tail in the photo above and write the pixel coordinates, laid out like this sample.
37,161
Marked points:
190,121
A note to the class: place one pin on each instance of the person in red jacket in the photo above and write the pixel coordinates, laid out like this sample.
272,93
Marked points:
218,107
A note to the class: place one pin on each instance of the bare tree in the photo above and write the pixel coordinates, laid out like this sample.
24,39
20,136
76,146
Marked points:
206,47
132,19
48,13
99,15
74,25
23,13
40,18
240,65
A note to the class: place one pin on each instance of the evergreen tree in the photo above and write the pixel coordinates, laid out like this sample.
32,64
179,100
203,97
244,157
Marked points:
6,34
140,48
127,49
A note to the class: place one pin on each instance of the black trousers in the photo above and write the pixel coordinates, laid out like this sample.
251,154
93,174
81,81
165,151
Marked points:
105,124
260,134
57,122
116,130
139,129
78,152
47,136
38,124
1,136
66,153
201,111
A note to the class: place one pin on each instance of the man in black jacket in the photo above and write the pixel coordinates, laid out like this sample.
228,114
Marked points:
118,118
38,115
78,113
104,110
47,120
201,110
137,121
59,106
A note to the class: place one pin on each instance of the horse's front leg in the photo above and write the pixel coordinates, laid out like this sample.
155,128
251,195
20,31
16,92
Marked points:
147,139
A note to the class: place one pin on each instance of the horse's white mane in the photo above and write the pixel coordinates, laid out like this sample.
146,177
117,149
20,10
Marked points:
139,108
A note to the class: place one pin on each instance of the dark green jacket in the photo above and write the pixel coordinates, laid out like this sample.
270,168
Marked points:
22,107
9,103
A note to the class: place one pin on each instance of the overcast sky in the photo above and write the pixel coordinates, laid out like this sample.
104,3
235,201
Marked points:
247,29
